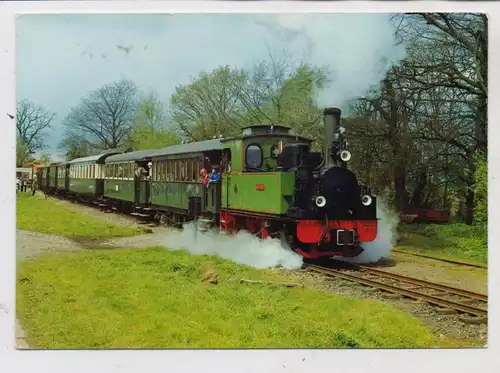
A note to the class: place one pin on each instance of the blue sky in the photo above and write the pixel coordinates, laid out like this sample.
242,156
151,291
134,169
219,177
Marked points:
63,57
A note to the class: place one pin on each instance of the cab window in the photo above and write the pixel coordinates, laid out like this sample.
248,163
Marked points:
253,156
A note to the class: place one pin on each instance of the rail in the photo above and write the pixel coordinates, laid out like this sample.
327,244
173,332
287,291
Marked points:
379,279
440,259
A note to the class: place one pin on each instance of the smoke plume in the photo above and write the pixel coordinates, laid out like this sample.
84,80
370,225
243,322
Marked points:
385,240
242,248
356,50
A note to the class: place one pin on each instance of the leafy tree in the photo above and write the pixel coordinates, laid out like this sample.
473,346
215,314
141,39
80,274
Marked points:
22,153
208,105
75,146
144,137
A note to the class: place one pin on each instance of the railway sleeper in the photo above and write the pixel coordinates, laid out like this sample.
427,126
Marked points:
473,320
446,311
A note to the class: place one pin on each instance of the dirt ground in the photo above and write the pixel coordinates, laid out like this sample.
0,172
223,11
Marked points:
30,244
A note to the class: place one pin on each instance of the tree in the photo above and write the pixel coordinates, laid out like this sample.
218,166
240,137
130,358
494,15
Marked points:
105,118
151,112
45,159
31,123
75,146
22,152
276,91
150,128
450,56
481,190
144,137
208,106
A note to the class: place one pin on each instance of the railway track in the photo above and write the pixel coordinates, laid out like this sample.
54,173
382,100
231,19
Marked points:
440,259
447,298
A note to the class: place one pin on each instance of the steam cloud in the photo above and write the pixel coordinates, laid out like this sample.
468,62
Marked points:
356,49
242,248
385,240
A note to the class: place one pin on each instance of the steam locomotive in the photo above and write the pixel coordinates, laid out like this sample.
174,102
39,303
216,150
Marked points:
272,185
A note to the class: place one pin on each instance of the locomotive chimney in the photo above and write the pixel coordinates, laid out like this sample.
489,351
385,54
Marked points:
331,119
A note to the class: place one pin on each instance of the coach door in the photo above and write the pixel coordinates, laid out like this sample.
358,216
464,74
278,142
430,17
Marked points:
142,182
66,177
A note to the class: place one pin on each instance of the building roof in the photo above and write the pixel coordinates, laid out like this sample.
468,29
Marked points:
23,169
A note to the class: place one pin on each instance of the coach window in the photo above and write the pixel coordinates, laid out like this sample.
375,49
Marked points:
189,169
120,170
168,170
253,156
131,170
182,170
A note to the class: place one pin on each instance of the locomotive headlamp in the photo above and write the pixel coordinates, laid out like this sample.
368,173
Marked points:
366,200
345,155
320,201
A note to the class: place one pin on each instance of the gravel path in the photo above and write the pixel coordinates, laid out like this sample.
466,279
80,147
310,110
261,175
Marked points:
31,244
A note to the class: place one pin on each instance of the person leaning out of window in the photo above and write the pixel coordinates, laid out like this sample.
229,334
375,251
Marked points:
215,176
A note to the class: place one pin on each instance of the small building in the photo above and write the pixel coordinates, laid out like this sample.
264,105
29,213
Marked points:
25,172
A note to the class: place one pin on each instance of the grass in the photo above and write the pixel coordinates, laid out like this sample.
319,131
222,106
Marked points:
153,298
447,241
45,216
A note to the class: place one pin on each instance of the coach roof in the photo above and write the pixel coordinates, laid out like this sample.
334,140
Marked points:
192,147
93,158
130,156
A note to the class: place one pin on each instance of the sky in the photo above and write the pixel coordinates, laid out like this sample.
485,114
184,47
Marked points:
64,57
